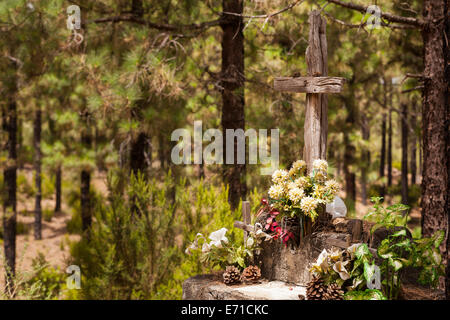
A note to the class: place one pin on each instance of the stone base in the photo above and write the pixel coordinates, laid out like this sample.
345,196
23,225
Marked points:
278,262
209,287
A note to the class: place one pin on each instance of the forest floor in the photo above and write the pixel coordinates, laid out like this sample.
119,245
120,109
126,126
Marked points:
55,242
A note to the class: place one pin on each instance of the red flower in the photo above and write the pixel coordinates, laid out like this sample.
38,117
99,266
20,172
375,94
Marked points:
274,213
272,227
264,201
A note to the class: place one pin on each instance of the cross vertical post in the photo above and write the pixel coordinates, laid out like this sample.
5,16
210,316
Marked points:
316,86
246,218
316,118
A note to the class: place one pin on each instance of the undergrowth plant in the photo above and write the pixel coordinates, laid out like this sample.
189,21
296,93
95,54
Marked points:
140,232
399,251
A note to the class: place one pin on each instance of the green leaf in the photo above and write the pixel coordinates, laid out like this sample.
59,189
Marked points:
398,207
399,233
396,264
362,251
369,271
384,250
376,226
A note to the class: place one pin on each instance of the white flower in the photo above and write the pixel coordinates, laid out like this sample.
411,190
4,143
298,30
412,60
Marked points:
250,242
308,204
332,186
321,264
335,255
189,249
302,182
291,185
280,176
320,165
339,267
206,247
297,167
217,237
319,176
296,195
352,249
276,192
299,164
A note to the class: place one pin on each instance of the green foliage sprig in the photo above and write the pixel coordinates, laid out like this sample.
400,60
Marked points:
398,251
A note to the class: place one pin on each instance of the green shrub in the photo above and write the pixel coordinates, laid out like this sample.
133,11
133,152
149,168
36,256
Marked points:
132,247
375,190
74,225
47,214
22,228
48,186
51,280
38,283
24,187
139,235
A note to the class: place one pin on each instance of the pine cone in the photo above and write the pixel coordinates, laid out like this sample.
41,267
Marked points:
232,275
251,274
316,289
334,292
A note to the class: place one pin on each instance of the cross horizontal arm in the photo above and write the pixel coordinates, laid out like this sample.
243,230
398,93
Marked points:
309,84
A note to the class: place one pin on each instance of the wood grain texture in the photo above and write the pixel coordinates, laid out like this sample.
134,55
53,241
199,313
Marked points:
316,121
309,84
246,217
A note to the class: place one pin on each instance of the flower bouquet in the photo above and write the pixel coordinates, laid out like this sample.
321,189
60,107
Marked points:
296,198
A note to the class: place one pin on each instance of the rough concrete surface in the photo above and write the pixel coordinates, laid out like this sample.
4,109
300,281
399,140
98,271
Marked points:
208,287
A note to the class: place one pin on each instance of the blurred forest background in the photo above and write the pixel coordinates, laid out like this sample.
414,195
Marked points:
86,128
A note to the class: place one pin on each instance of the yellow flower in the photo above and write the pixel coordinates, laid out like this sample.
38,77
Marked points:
308,204
297,167
319,176
280,176
299,164
320,165
332,186
296,194
276,192
302,182
291,185
319,192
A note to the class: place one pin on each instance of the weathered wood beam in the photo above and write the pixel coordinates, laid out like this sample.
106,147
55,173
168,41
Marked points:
246,217
309,84
243,226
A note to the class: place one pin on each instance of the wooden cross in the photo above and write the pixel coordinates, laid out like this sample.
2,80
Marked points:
316,86
245,225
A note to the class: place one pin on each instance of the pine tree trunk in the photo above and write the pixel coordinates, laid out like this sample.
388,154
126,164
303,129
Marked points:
365,128
404,122
447,104
58,180
38,178
85,199
383,152
413,158
10,190
232,75
389,150
435,114
350,177
138,158
161,152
